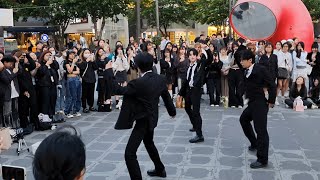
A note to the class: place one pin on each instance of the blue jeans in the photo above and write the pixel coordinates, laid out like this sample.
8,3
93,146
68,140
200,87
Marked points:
61,93
73,95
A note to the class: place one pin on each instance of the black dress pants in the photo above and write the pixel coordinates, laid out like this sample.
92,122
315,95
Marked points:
87,94
214,86
257,111
28,108
192,107
104,90
236,83
48,98
141,132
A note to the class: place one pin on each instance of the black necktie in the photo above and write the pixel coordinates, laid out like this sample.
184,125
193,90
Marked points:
246,72
190,72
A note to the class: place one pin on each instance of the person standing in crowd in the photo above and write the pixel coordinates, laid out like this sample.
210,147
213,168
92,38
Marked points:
120,67
225,59
217,41
278,48
300,64
284,69
28,97
87,67
142,99
137,48
167,69
133,70
270,61
10,90
61,87
30,45
47,80
174,52
298,90
235,76
256,78
181,66
214,80
103,87
313,59
73,88
191,89
39,46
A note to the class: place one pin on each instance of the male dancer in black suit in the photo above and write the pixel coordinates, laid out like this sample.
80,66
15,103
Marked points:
191,88
256,78
141,99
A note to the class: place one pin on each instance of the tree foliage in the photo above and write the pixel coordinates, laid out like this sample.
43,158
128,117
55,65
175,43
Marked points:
103,9
313,7
170,11
211,11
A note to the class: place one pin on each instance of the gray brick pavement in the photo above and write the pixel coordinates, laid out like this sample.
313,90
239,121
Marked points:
294,147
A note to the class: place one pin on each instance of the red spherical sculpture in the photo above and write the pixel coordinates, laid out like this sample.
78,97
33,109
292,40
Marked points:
273,20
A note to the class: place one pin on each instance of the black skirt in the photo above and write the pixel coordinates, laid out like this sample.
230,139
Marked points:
121,76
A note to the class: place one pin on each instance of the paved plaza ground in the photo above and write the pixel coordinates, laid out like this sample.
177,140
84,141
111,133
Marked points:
294,147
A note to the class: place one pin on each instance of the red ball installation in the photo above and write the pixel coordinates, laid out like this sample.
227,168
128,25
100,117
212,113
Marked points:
273,20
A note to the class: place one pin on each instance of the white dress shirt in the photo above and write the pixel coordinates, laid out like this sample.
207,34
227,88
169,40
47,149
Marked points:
249,71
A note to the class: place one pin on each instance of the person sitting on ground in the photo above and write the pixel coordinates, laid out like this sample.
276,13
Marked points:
298,89
314,97
60,156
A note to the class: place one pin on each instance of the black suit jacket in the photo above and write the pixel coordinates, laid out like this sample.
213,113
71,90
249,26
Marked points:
199,74
271,64
5,84
141,99
25,78
254,84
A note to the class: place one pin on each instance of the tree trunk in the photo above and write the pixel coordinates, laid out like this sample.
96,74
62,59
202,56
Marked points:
161,31
103,23
95,26
165,29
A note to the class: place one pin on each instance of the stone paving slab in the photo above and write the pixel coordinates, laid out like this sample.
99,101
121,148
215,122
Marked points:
294,147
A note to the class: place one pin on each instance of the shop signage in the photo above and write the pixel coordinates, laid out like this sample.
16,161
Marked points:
44,37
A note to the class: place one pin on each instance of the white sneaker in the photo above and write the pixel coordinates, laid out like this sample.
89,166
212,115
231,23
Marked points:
212,105
77,114
216,105
277,102
233,106
314,106
240,107
118,106
69,116
305,107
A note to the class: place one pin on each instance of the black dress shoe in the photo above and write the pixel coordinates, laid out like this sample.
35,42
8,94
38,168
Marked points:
192,130
92,109
257,165
86,110
154,172
252,148
197,139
